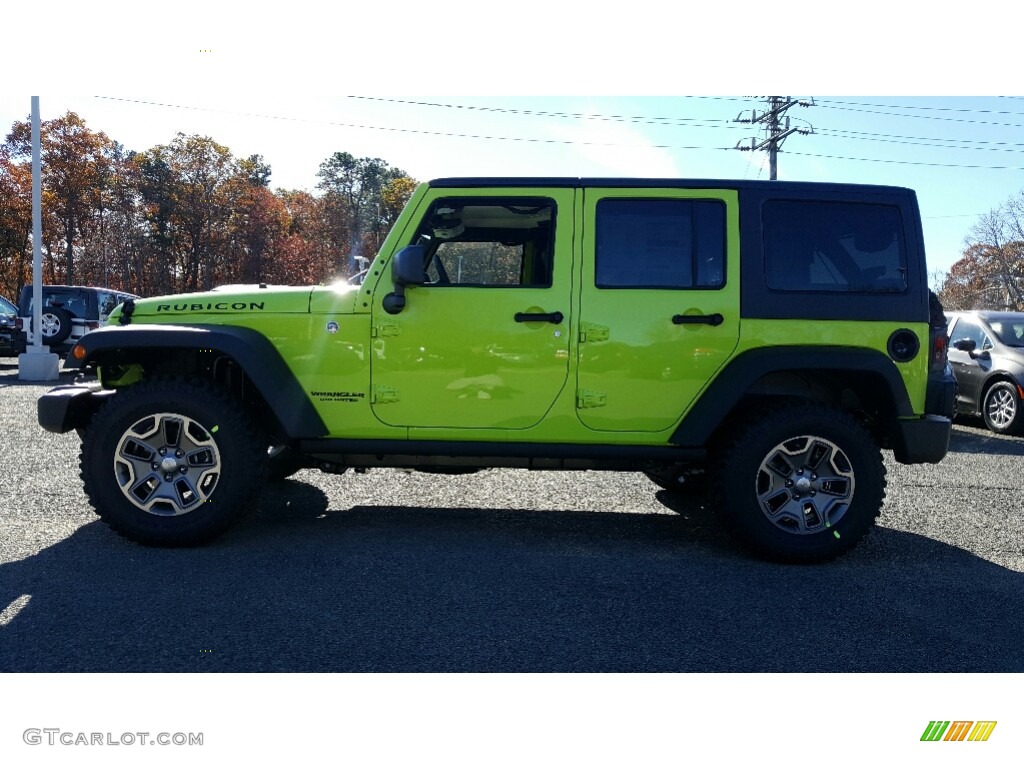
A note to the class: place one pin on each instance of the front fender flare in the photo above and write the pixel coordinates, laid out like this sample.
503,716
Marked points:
251,350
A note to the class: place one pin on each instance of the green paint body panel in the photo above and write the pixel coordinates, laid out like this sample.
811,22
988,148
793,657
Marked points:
455,365
649,369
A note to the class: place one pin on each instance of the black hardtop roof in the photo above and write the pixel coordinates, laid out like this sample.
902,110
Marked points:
803,187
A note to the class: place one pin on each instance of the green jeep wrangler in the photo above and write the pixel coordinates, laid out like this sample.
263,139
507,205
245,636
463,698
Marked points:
758,342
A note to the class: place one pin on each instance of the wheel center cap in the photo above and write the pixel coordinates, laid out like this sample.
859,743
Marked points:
169,464
803,484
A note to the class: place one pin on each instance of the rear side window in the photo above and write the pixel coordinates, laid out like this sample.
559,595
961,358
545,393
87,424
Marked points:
834,247
660,244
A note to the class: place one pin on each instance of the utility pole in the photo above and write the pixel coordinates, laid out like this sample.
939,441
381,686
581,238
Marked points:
776,129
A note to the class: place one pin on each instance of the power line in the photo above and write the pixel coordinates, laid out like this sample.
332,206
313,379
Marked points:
921,117
541,140
922,107
410,130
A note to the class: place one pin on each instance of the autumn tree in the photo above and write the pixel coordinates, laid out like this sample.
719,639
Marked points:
353,189
991,272
15,225
75,163
186,215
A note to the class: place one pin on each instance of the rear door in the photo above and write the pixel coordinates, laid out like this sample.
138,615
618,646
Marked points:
659,303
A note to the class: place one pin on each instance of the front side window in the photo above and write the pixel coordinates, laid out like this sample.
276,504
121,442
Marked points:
833,247
965,329
660,244
492,242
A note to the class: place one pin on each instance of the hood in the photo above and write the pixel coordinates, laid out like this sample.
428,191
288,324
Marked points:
238,300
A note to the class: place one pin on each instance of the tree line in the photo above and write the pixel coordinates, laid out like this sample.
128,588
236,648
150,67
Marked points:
990,273
183,216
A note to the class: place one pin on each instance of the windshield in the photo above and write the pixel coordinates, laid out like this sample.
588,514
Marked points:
6,307
1010,332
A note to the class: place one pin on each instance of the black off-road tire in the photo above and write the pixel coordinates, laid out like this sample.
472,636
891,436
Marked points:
1001,409
171,462
800,484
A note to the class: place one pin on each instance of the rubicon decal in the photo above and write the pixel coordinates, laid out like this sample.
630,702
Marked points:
237,306
958,730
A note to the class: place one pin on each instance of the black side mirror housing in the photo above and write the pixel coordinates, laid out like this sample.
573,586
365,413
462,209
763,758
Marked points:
406,269
965,345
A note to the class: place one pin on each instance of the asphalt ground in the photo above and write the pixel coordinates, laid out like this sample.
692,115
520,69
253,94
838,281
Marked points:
504,571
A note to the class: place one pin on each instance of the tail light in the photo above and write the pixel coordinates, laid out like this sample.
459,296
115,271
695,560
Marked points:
939,343
19,324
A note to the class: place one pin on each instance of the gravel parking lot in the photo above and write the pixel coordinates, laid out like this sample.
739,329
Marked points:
505,570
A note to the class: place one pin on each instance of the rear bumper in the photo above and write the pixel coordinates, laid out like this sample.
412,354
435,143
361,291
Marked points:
70,407
922,441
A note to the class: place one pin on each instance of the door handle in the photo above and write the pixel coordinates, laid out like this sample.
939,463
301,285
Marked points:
715,319
539,317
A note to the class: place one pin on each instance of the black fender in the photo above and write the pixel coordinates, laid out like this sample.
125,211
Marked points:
249,349
743,371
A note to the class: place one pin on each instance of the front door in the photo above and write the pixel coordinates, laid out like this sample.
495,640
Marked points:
659,303
485,343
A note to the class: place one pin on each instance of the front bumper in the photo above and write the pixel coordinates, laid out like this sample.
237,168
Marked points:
70,407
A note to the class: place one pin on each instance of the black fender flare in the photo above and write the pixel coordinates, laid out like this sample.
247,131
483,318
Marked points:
743,371
251,350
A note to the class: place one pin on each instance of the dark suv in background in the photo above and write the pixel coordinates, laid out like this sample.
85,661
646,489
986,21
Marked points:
69,312
986,352
8,328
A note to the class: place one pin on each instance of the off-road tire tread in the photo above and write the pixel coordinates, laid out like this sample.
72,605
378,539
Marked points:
236,434
737,515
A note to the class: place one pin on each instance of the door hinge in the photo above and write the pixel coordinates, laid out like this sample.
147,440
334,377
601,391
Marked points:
593,332
588,399
385,329
385,395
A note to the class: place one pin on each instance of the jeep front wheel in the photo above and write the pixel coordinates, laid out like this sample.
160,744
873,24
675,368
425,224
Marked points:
804,483
171,462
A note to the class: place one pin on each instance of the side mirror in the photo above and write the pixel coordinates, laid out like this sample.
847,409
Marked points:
406,269
965,345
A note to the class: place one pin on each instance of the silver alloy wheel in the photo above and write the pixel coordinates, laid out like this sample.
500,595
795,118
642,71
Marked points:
50,324
805,485
167,464
1000,407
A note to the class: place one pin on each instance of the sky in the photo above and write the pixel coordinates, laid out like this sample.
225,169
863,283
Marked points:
962,155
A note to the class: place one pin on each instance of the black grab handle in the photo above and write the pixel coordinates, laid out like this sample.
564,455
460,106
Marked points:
539,317
715,319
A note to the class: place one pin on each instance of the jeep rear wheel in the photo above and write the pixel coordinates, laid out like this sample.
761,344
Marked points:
171,462
803,484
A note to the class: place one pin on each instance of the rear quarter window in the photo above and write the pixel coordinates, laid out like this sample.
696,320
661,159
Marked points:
833,247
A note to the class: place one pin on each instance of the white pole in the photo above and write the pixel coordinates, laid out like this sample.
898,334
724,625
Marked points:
37,231
38,363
